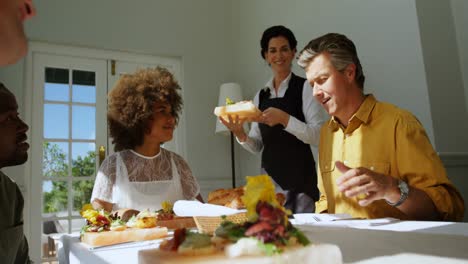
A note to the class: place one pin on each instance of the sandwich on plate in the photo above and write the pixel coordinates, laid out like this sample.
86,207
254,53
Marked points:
243,109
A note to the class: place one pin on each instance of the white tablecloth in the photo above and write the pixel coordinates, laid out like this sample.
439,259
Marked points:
405,241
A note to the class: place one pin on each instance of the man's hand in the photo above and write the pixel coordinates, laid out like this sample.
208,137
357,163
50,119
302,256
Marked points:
364,182
273,116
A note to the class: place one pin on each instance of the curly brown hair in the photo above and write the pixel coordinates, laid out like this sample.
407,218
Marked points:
131,104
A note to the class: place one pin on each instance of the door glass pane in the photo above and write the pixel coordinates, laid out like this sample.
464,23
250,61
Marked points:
55,159
56,121
84,159
84,87
84,122
56,92
55,194
56,84
82,191
84,94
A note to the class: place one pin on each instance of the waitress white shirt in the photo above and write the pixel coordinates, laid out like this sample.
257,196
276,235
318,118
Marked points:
130,180
308,131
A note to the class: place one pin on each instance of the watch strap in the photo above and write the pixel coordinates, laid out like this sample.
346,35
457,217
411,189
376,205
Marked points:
404,192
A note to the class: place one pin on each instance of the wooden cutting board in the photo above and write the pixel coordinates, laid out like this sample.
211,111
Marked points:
316,253
105,238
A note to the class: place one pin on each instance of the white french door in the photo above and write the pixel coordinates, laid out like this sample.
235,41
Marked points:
69,122
66,105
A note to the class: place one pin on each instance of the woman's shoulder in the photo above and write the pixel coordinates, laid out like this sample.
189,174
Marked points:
111,158
178,159
297,77
172,154
109,163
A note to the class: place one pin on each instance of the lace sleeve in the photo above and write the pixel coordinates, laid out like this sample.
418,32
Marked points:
105,180
190,187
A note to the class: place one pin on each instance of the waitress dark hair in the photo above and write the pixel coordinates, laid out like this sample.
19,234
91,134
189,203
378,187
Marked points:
273,32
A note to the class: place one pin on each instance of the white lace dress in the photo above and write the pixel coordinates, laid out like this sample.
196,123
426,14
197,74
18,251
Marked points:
130,180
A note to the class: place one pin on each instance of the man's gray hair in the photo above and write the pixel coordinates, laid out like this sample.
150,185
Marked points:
342,52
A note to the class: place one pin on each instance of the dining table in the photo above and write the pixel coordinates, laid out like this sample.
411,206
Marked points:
360,241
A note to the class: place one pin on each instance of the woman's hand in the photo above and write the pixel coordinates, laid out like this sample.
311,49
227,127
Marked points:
236,126
273,116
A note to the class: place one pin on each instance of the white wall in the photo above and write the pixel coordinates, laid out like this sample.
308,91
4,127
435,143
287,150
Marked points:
460,19
386,34
443,73
196,31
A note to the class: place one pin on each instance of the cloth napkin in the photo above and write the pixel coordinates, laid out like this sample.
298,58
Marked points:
196,208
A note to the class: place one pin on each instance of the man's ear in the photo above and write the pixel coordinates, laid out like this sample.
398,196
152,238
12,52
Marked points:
350,72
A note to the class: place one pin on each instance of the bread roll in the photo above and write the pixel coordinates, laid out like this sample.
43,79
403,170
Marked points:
281,198
225,196
232,198
236,203
128,235
243,109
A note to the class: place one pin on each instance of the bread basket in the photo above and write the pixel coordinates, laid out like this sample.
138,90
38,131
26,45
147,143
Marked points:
208,224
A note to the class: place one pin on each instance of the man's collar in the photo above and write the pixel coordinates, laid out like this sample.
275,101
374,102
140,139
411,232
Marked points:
363,113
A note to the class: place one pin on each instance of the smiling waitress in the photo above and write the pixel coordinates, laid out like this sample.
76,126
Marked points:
143,113
290,123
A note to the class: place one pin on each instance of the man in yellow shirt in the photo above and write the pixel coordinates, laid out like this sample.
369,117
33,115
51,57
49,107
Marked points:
375,160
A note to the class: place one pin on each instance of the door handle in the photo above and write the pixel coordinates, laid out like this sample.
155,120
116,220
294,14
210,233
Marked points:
102,154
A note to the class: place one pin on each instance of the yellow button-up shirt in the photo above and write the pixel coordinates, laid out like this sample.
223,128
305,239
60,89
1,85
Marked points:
388,140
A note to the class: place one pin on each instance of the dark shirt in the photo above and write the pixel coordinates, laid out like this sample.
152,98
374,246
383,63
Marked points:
285,158
13,243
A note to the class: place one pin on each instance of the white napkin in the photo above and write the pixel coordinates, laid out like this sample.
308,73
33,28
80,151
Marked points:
309,218
196,208
344,220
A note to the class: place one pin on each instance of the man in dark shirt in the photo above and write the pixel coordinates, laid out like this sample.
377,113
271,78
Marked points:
13,151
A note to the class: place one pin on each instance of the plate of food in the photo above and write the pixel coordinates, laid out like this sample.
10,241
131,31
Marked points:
103,229
129,225
165,217
243,109
266,236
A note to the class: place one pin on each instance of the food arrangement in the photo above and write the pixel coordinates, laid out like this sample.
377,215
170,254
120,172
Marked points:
266,232
243,109
126,225
104,229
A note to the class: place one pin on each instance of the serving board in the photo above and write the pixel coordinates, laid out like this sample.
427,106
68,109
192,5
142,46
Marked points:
316,253
106,238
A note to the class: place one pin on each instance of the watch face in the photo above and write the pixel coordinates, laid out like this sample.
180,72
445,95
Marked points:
403,187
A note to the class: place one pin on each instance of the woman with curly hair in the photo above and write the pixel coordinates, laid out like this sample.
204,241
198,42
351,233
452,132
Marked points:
142,114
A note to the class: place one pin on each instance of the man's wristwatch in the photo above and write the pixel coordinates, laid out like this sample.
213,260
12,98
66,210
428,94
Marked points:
404,192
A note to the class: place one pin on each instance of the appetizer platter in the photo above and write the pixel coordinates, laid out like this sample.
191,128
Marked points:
266,236
128,225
